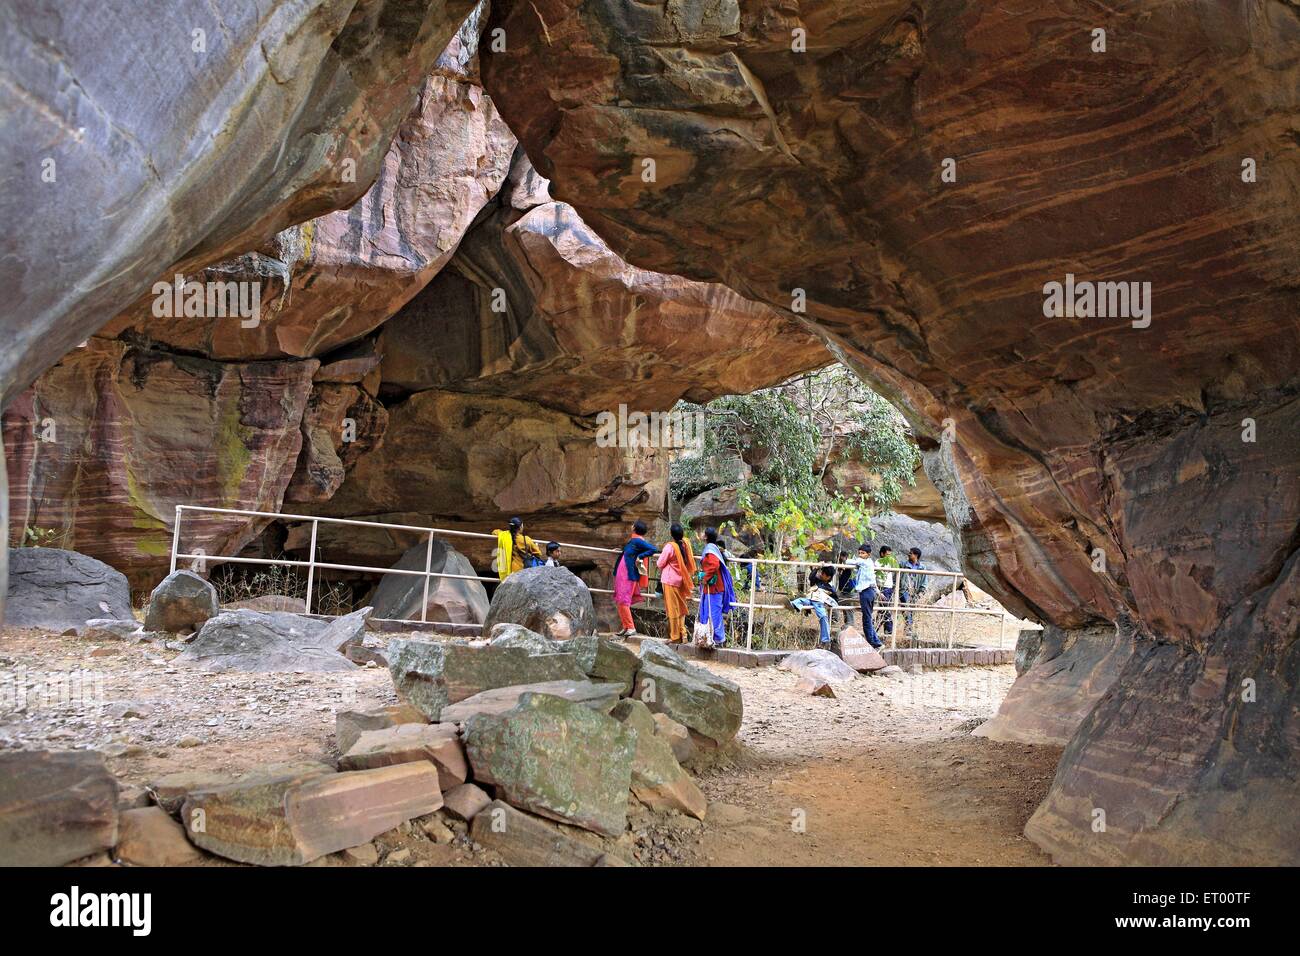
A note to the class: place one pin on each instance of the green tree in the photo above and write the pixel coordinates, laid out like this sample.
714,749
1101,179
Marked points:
791,434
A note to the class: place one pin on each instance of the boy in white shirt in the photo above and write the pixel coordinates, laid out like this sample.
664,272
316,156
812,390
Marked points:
864,583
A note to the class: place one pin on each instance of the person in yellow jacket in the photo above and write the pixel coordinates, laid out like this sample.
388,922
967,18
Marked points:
515,550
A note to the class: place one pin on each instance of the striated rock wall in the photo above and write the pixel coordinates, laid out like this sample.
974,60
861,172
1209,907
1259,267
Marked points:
110,440
822,171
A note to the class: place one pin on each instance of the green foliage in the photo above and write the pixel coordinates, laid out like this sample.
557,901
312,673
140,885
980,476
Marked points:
789,434
42,537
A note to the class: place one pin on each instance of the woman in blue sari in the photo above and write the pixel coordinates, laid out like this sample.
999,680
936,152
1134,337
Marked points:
717,594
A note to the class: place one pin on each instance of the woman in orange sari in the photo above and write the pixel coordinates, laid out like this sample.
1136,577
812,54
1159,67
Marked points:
677,572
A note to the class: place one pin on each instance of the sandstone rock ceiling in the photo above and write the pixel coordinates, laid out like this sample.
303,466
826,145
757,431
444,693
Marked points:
1052,439
821,171
584,332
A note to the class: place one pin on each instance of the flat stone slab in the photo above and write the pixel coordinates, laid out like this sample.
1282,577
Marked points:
709,705
292,820
55,807
524,840
274,641
599,697
465,802
150,837
170,790
658,780
351,724
437,743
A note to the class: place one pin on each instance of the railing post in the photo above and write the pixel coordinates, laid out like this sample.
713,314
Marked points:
428,569
176,537
311,566
893,613
1002,629
952,612
753,594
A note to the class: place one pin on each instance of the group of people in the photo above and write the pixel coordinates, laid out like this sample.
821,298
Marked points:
516,551
679,572
870,578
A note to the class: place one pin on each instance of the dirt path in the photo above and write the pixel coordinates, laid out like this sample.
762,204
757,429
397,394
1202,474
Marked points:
885,774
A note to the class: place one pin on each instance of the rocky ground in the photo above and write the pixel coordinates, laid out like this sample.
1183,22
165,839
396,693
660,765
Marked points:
885,773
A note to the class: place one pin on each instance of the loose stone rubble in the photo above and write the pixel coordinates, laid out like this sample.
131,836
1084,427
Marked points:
532,773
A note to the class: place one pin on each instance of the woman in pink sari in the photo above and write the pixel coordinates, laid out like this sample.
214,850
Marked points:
627,577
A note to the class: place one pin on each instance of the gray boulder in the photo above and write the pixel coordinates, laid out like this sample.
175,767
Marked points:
937,543
556,758
181,603
431,674
708,705
451,600
818,665
554,602
58,589
274,641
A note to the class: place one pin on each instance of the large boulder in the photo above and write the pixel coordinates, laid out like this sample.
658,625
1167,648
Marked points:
181,603
551,601
57,589
708,705
288,819
658,780
183,430
937,542
556,758
150,837
854,649
819,665
451,600
274,641
432,674
55,807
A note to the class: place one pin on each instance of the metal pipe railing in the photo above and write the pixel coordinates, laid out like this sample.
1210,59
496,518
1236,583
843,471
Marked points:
890,611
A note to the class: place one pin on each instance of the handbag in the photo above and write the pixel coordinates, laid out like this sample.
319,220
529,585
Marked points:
702,633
